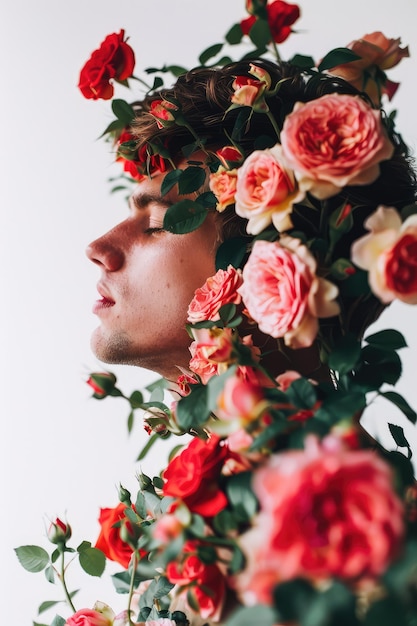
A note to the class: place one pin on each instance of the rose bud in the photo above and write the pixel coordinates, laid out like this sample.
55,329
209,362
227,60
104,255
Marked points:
102,383
59,532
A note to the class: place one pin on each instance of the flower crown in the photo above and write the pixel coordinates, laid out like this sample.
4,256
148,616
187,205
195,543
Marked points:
279,509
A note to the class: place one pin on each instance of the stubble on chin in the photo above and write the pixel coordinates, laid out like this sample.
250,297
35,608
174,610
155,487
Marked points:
115,348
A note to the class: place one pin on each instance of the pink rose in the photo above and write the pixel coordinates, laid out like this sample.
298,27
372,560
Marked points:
325,512
239,403
389,254
285,379
266,190
283,294
377,53
223,184
100,615
211,352
334,141
249,92
217,291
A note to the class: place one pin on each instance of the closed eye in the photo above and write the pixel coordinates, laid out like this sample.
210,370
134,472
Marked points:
154,229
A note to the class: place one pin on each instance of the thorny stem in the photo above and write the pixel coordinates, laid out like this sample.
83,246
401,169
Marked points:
61,577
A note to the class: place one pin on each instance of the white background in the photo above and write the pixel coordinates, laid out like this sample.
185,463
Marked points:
62,453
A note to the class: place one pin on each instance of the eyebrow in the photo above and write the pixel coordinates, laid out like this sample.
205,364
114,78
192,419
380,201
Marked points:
142,200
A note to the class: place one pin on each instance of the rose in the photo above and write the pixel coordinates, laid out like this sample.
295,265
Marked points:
378,53
138,163
325,512
211,352
266,190
281,16
109,540
240,402
283,294
163,112
206,581
193,476
100,615
389,254
217,291
334,141
113,60
223,184
249,92
59,532
229,156
102,383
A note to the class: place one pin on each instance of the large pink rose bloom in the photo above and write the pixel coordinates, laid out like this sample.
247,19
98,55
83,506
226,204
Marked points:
217,291
389,253
283,294
325,512
266,191
334,141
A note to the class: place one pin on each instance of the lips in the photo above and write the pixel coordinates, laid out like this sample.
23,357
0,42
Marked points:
104,302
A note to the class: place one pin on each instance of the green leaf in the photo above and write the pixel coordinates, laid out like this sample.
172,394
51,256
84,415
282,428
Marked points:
340,406
130,419
192,179
338,56
209,53
115,125
176,70
207,200
136,400
293,599
147,447
260,615
232,252
398,435
240,493
301,394
386,612
123,111
93,561
84,545
50,574
184,217
234,35
47,605
389,339
163,587
157,83
260,33
302,61
381,366
140,505
345,354
192,409
170,180
402,404
32,558
58,621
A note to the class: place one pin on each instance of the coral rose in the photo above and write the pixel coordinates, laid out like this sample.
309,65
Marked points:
109,540
211,352
100,615
377,53
193,476
283,294
223,184
325,512
217,291
334,141
113,60
206,581
239,403
281,16
389,254
266,190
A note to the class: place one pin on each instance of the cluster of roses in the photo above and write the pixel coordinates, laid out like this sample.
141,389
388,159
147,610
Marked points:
274,504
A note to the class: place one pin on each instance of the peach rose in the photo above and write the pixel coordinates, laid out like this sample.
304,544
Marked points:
266,190
217,291
223,184
211,352
325,512
389,254
283,294
334,141
377,52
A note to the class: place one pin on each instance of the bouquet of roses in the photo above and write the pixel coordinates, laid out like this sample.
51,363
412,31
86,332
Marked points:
279,508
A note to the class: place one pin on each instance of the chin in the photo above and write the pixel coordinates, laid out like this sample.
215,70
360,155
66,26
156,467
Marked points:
115,348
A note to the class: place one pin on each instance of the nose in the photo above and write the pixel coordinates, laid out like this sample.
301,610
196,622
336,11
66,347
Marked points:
105,252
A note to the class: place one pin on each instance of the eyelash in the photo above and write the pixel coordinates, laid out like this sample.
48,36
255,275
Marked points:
151,230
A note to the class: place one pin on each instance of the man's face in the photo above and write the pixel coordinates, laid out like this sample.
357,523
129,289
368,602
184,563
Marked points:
148,277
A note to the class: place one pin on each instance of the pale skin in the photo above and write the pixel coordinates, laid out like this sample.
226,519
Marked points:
148,278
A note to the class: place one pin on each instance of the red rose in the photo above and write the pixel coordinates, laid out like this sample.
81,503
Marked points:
281,16
207,581
109,540
193,476
114,60
102,383
140,164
